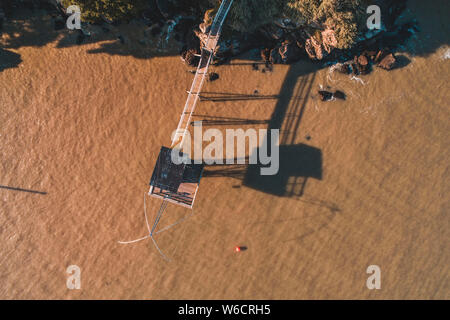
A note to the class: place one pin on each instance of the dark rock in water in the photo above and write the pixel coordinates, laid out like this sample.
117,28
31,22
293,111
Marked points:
343,68
339,95
355,69
362,64
362,60
213,76
255,67
388,62
370,54
380,55
325,95
190,58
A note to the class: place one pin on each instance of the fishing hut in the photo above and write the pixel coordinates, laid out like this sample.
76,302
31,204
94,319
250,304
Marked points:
176,183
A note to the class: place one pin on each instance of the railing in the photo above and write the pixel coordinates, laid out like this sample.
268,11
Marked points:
202,70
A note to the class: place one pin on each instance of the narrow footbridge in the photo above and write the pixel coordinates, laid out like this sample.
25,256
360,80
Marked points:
206,56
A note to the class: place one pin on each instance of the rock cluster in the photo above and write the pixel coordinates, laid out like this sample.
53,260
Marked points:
328,95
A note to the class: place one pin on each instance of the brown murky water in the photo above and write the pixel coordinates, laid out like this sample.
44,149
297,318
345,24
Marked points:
85,123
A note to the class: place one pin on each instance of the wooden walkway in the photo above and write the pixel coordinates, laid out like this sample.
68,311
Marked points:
202,70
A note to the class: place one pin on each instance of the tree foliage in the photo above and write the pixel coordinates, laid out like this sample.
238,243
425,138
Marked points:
94,10
249,15
343,16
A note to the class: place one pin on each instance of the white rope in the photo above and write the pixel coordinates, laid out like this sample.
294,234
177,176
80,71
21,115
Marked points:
178,222
145,213
133,241
156,245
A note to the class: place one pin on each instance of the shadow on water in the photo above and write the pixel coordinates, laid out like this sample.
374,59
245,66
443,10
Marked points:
22,190
225,96
402,61
297,162
224,121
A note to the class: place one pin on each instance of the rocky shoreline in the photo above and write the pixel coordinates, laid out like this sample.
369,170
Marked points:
279,42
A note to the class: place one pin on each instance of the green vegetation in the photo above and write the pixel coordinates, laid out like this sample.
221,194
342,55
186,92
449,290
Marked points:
345,17
249,15
94,10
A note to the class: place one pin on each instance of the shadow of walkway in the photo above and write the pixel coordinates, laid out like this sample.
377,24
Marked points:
297,162
22,190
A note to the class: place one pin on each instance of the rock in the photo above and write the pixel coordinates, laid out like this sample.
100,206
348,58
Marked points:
289,52
388,62
325,95
355,69
329,40
203,37
343,68
339,95
309,48
362,60
370,54
361,64
189,57
208,19
314,49
265,54
204,27
275,56
213,76
380,55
